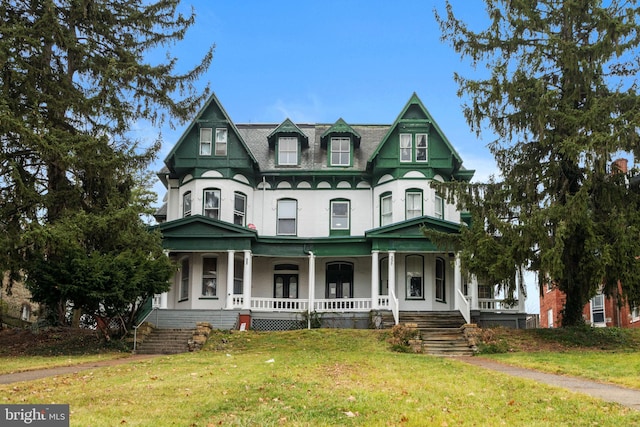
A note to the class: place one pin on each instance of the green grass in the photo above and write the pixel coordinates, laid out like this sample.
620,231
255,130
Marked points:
603,354
319,377
12,364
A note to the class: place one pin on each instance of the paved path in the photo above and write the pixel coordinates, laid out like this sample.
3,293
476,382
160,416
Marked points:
607,392
63,370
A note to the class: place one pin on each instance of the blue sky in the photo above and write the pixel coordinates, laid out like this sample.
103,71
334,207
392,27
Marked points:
315,61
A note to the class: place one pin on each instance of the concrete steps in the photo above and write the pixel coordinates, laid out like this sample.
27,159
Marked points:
166,341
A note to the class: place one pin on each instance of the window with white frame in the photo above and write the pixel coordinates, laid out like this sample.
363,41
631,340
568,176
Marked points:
287,215
340,151
421,147
386,209
184,279
339,215
209,277
288,150
211,203
635,314
205,141
413,204
186,204
440,280
239,208
415,276
406,147
221,141
550,318
597,310
438,202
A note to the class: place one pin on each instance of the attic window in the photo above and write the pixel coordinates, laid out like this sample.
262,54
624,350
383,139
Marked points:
221,142
340,151
288,150
205,141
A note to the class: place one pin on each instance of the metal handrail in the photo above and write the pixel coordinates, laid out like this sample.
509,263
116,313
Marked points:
135,327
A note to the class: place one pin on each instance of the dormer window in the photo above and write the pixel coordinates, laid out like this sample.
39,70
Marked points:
205,141
287,151
340,151
221,142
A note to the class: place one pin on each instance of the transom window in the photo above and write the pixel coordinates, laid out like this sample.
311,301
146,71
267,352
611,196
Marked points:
287,213
406,147
413,204
440,280
239,208
211,203
415,277
288,150
339,215
186,204
386,209
205,141
340,151
221,141
209,277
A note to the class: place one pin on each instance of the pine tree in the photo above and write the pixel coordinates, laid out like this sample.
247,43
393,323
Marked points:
74,77
561,98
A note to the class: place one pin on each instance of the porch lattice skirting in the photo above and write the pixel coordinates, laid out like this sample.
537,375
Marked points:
276,325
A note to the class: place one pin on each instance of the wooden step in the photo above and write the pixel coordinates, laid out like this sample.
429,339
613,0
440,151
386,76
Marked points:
166,341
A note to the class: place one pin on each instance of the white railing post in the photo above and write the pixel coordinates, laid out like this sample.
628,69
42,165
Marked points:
394,305
463,306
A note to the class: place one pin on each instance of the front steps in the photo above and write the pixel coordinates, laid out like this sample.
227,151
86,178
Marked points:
443,333
166,341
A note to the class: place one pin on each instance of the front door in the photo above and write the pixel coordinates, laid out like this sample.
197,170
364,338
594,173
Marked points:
339,280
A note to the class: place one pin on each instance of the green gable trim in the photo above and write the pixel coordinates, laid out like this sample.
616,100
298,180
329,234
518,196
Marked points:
340,128
288,128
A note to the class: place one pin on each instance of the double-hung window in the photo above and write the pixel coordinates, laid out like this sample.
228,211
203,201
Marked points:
209,277
440,280
184,279
438,207
421,147
340,215
186,204
340,151
221,142
205,141
386,209
239,208
287,151
211,203
287,212
406,147
413,204
415,275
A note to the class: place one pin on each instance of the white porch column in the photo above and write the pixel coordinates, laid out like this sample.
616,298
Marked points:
375,279
230,274
392,272
247,278
522,301
312,286
457,274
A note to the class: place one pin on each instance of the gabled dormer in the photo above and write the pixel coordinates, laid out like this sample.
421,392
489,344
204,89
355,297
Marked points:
287,140
416,142
340,140
211,141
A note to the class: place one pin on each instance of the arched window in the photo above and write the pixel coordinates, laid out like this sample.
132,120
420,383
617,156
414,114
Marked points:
211,203
186,204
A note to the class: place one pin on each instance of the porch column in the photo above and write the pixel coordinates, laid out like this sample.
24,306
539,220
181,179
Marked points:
312,286
163,300
392,273
247,279
522,301
375,279
230,274
457,275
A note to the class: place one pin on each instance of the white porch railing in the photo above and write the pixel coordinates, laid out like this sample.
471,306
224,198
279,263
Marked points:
279,304
462,304
344,304
238,301
495,305
383,302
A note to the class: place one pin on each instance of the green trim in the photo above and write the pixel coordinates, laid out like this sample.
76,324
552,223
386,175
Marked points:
340,128
288,128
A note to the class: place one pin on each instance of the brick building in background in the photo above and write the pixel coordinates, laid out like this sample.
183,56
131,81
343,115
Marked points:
600,311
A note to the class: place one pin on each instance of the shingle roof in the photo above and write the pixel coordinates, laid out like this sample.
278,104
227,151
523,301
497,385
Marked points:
313,158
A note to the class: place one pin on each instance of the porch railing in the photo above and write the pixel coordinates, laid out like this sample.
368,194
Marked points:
279,304
495,305
344,304
462,304
319,305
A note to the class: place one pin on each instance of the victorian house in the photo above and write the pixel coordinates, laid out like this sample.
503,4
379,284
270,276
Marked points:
272,225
